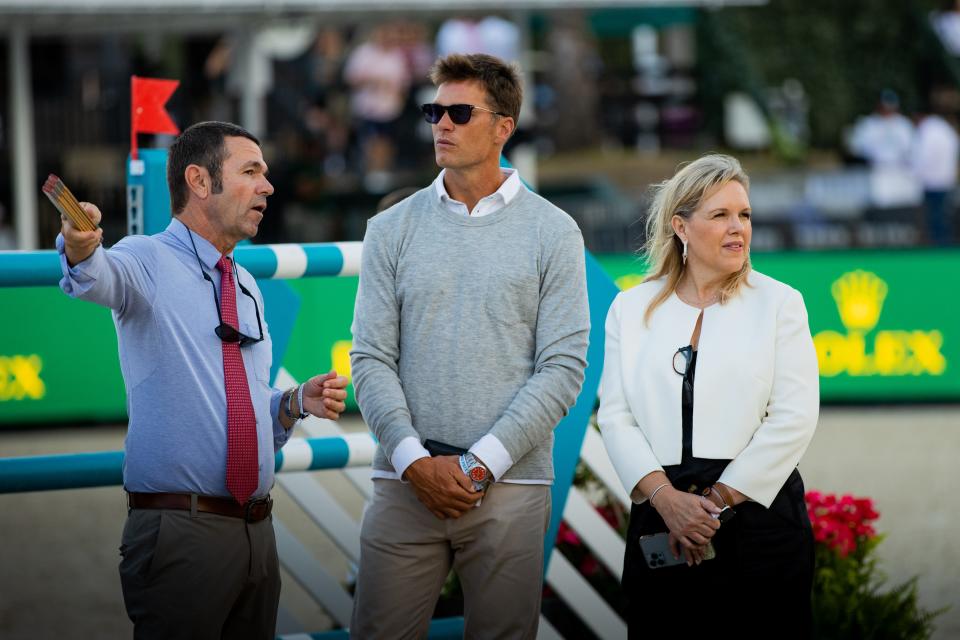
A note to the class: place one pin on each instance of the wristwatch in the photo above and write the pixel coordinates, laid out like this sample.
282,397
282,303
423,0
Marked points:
725,514
726,511
477,473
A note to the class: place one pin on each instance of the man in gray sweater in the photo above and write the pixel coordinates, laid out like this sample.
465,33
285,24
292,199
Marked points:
470,330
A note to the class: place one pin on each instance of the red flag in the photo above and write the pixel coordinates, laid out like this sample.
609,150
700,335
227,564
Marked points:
147,113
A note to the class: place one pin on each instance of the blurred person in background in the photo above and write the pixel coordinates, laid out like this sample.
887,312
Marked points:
470,330
884,138
491,35
216,70
412,39
946,23
412,139
936,152
379,77
199,557
327,113
709,398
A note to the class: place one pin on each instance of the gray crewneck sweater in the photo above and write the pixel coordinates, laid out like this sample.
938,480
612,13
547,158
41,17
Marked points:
467,326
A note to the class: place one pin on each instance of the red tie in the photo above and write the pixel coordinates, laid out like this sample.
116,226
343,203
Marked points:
242,466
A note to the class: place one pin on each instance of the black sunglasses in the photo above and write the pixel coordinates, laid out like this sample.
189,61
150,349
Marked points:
224,331
459,113
682,357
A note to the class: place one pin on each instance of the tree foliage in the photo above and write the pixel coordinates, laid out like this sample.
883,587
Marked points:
844,54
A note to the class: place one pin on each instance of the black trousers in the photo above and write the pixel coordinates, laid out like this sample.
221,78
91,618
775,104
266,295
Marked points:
758,586
199,577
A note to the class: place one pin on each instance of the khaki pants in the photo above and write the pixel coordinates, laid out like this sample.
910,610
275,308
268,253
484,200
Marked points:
201,576
406,553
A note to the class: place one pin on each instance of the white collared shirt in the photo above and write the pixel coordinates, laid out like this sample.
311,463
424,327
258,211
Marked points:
488,204
488,449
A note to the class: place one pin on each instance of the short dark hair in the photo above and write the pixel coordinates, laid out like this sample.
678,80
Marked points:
500,79
201,144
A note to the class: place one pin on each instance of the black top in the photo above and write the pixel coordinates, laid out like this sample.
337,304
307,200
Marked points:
692,474
687,409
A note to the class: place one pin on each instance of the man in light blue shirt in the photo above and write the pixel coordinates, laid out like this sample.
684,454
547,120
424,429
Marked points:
198,548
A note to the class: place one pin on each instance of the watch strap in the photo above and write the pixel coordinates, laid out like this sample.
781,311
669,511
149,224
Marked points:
725,494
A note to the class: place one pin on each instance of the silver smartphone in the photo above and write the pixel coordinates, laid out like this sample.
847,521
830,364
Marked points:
657,553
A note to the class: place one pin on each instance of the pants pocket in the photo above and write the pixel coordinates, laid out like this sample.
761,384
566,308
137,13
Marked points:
140,543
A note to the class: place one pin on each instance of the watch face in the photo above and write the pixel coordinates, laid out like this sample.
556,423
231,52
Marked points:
478,474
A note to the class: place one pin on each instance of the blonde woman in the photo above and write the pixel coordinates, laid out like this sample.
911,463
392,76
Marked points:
708,401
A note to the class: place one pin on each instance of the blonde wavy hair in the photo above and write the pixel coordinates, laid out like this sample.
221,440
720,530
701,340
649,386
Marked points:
680,196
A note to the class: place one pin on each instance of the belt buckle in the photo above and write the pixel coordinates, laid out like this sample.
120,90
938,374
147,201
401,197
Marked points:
251,504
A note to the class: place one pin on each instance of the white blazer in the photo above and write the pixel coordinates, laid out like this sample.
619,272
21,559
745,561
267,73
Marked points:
756,389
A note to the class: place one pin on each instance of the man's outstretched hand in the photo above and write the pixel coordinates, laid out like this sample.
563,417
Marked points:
80,245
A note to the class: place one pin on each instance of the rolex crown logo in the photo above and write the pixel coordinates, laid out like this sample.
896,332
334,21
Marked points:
859,296
890,352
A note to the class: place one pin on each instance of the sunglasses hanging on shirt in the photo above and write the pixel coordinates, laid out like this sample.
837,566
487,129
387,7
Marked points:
224,331
681,360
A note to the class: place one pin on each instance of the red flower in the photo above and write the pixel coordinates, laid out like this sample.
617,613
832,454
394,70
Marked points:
589,566
840,523
567,535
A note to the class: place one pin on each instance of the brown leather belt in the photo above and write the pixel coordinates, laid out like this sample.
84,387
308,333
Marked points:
253,511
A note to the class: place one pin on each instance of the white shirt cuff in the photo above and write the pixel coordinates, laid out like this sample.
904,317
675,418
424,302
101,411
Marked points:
406,453
493,454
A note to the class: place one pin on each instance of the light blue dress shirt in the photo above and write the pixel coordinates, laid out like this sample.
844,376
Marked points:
172,361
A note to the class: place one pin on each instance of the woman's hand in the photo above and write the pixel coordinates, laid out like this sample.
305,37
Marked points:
690,518
693,555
